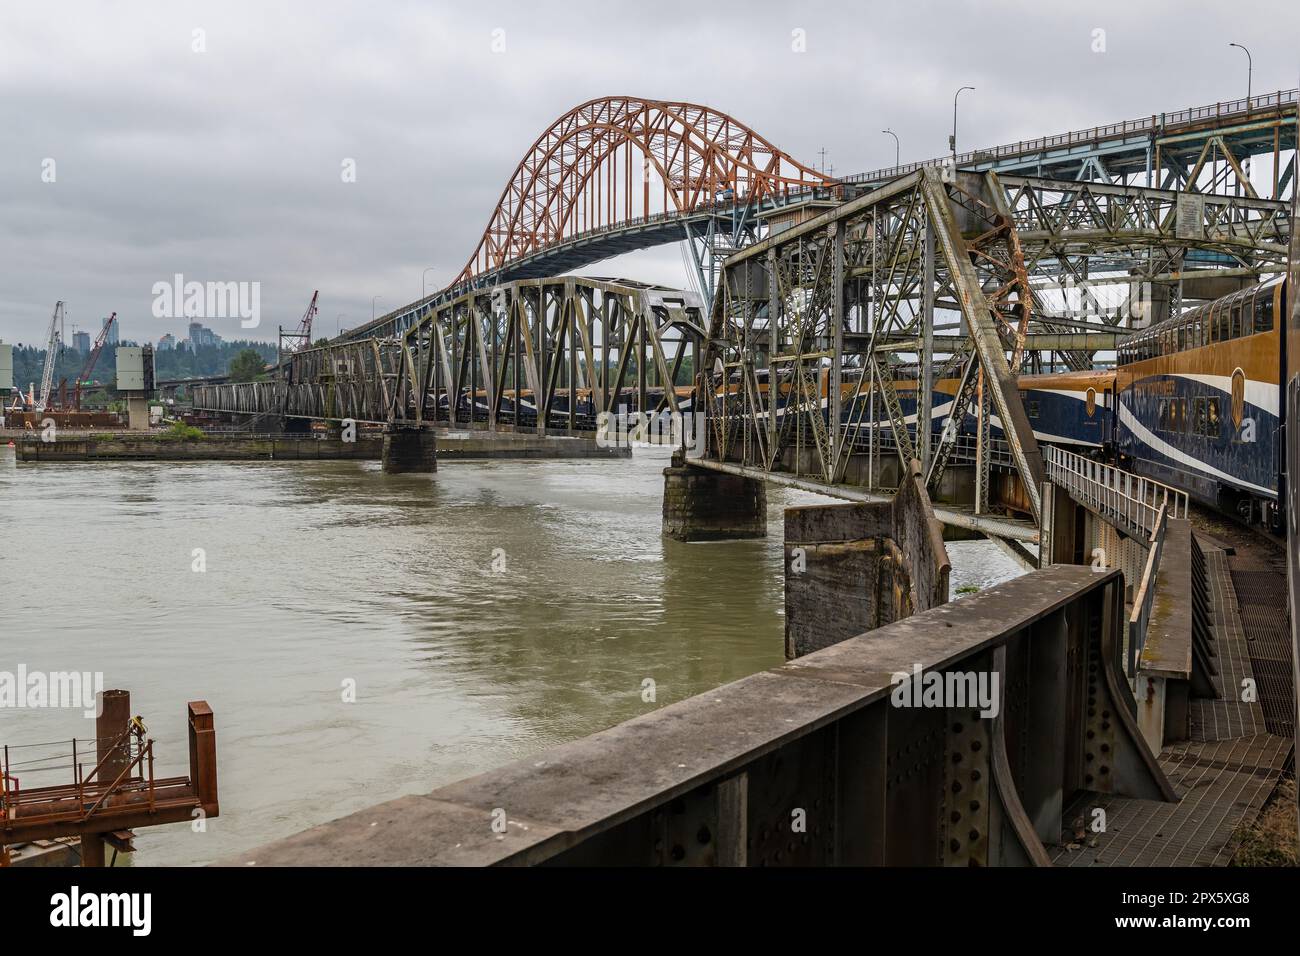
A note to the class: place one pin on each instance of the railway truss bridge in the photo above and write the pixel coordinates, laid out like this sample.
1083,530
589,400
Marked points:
853,313
809,356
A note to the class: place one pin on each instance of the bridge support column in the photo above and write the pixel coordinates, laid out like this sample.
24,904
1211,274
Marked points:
850,568
704,505
409,449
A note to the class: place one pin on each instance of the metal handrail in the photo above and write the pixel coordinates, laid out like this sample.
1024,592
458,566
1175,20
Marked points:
1144,598
1114,493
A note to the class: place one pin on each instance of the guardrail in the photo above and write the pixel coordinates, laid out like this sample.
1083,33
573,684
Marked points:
1157,122
1132,502
1146,594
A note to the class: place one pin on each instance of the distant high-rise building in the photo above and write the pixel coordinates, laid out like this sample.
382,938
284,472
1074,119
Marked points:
81,342
113,337
202,335
167,343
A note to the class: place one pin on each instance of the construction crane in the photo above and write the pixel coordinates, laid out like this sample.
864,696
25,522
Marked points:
84,377
53,345
299,338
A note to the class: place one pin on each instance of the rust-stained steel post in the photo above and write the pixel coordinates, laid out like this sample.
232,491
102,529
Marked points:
203,755
113,756
112,743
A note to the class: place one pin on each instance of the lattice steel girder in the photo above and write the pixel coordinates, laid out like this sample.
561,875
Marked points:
1054,219
835,296
547,346
533,343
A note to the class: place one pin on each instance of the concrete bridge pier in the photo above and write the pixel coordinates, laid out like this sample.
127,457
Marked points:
850,568
705,505
409,449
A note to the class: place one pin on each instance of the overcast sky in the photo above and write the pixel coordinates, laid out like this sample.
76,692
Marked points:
224,164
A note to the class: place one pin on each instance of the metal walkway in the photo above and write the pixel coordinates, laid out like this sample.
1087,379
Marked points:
1224,774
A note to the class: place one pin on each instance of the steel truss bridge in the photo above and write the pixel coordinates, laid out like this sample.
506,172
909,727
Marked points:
796,356
831,295
619,174
843,307
531,354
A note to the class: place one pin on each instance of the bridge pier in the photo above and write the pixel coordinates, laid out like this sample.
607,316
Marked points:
850,568
704,505
408,449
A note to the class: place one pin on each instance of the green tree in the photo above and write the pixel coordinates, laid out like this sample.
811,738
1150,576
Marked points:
247,366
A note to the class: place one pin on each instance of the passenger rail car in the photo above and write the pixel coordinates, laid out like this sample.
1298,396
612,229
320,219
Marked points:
1198,402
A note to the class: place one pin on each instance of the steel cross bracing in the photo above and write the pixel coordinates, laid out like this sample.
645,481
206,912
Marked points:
549,353
837,300
852,301
1087,236
535,354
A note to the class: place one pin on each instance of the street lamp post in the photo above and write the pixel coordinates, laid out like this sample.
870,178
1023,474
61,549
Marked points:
1250,69
423,292
338,324
373,298
952,140
896,151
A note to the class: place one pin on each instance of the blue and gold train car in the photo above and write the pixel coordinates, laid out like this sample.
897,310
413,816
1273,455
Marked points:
1198,401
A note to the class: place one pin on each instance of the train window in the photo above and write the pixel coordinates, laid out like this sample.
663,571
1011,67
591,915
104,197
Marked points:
1198,330
1180,336
1264,310
1237,329
1206,421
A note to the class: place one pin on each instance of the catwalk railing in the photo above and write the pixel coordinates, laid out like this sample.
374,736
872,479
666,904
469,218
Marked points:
1130,501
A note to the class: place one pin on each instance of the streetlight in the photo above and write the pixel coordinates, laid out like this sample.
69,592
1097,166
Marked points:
372,306
952,140
423,293
895,135
338,323
1250,68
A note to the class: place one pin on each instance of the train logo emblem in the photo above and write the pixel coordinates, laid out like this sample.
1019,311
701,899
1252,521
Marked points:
1092,402
1238,396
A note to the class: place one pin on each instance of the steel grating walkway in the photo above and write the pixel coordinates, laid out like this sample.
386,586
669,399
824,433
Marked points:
1238,750
1228,716
1222,784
